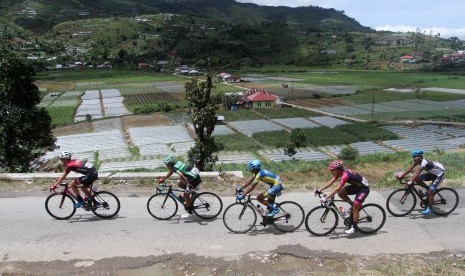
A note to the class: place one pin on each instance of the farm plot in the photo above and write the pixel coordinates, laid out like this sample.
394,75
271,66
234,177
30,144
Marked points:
415,133
328,121
307,154
445,130
426,144
170,86
294,123
238,157
219,130
132,165
364,148
148,98
109,144
159,135
345,110
251,127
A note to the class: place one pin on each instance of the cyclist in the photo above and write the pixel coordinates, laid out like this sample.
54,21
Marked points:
258,174
88,170
435,172
189,179
358,186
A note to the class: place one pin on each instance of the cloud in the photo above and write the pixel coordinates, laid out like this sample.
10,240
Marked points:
443,31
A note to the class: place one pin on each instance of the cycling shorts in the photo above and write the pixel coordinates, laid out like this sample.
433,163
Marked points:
361,193
89,178
436,180
273,190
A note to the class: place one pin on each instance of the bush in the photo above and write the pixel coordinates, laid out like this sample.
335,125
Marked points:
348,154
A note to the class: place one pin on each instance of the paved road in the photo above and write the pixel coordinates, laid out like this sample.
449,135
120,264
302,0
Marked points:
27,233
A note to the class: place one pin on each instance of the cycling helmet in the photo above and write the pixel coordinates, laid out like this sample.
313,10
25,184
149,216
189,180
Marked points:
65,155
336,165
169,160
416,153
254,165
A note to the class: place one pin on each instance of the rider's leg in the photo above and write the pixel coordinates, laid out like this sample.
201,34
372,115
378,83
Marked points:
262,199
75,190
344,195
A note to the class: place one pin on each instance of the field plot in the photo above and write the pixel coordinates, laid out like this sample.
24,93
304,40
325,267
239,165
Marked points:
251,127
159,135
94,100
239,157
364,148
131,165
307,154
328,121
427,138
109,144
294,123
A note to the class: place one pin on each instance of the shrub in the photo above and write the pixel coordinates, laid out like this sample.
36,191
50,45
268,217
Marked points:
348,153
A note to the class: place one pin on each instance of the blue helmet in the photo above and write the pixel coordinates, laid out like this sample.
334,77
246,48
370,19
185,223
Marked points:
416,153
254,164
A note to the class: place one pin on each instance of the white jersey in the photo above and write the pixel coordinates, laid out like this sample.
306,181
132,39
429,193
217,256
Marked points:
432,167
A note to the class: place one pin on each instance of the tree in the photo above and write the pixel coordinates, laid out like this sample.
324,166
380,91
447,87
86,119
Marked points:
199,95
25,128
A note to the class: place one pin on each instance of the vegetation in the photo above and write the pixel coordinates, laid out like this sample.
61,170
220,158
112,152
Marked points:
25,128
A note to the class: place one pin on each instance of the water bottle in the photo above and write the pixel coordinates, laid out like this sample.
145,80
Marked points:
260,209
341,209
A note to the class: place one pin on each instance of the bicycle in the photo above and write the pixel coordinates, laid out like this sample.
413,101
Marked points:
322,220
401,202
60,205
163,204
241,217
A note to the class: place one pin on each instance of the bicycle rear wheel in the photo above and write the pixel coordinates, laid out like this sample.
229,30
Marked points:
60,206
207,205
290,217
401,202
321,221
162,206
104,204
239,218
445,201
371,218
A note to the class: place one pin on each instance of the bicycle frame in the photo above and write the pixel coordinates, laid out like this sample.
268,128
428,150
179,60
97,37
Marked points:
172,191
67,191
249,202
423,197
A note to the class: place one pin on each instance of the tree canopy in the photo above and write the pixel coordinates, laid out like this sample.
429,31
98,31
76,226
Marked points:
25,128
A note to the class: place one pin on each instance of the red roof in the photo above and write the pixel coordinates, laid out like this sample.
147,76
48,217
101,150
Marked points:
261,97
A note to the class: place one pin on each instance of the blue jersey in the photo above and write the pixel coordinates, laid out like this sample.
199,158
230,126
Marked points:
267,177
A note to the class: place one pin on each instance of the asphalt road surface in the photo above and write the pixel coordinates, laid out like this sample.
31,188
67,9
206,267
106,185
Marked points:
29,234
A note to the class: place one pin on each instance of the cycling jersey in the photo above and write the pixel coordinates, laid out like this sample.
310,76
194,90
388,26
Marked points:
267,177
432,167
348,176
75,165
188,170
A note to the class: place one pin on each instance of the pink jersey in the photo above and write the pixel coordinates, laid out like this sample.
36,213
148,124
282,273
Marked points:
79,166
348,176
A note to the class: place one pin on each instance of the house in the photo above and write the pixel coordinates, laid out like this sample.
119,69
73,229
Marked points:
407,59
258,98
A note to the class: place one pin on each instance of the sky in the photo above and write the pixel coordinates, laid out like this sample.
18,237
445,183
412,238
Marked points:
445,17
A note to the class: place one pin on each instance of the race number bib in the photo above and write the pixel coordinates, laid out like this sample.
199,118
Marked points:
195,171
88,165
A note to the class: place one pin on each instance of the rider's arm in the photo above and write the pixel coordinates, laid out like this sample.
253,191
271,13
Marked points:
416,176
329,183
336,190
183,178
168,175
63,177
249,185
409,170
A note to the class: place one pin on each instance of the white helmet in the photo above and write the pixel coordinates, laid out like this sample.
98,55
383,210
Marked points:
65,155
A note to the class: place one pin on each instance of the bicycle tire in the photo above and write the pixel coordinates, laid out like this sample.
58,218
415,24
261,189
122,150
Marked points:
321,221
55,208
401,202
207,205
290,217
371,218
162,206
445,201
239,218
108,204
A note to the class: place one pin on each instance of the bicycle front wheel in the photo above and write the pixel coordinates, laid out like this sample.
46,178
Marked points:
104,204
445,201
162,206
401,202
321,221
371,218
207,205
290,217
60,206
239,218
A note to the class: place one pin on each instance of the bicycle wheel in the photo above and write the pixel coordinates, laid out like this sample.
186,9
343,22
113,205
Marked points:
207,205
371,218
104,204
445,201
321,221
162,206
239,218
60,206
401,202
290,217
